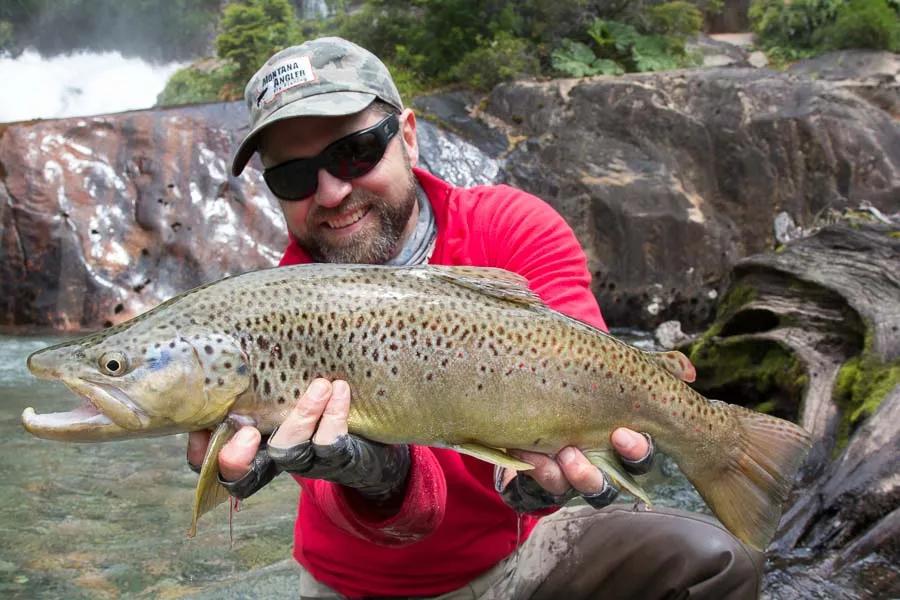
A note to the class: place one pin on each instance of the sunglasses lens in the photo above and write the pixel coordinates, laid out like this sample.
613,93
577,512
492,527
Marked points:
355,156
292,181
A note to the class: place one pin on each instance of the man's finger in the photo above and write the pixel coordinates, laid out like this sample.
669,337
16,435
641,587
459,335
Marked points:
196,447
546,472
629,444
301,422
579,471
235,456
333,423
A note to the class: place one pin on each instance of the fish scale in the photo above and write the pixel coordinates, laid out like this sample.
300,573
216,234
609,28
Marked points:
460,357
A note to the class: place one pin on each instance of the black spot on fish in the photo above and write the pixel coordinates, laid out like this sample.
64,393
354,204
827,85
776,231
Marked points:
208,349
267,387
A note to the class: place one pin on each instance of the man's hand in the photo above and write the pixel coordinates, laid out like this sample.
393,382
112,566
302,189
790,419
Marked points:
554,478
313,441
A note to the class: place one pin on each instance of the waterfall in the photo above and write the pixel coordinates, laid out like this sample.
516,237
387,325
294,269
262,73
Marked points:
79,84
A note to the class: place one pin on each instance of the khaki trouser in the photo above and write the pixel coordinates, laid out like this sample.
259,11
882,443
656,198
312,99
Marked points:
619,552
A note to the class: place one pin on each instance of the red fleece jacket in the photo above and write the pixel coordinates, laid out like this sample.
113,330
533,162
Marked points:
452,526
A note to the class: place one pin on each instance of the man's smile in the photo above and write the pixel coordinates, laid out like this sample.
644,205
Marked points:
342,221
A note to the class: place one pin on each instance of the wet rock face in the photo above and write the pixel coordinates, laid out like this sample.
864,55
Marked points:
670,178
105,217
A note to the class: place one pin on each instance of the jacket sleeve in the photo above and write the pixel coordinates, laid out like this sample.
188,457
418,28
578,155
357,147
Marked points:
421,510
538,244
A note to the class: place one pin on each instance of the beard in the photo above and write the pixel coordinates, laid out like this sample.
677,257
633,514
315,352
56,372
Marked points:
373,245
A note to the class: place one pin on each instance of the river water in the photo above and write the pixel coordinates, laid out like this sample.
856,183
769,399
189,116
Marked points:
109,520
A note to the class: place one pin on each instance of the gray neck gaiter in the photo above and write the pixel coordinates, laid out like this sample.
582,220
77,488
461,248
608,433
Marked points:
418,248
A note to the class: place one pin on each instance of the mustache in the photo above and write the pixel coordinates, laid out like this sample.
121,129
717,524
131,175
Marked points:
356,200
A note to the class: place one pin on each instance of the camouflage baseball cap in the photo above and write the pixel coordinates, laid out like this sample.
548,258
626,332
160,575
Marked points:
324,77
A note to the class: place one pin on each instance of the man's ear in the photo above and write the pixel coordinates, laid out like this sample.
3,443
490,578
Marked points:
408,134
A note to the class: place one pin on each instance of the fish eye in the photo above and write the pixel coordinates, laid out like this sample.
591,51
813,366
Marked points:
114,363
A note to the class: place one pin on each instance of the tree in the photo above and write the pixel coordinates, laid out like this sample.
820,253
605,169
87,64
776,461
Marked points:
253,30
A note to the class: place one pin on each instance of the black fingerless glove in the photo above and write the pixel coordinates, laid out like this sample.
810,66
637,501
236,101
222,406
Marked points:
524,494
262,471
377,471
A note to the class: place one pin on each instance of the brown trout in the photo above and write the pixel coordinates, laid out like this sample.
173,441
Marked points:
459,357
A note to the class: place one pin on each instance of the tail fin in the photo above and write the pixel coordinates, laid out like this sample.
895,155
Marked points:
748,490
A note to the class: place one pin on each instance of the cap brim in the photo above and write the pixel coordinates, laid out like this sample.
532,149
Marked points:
333,104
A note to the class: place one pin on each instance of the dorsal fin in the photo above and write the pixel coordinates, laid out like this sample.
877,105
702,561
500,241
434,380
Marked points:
498,283
675,363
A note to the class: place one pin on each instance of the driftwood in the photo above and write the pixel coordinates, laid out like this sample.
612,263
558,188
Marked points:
826,299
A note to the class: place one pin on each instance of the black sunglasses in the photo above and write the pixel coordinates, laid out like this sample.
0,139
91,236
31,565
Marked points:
351,156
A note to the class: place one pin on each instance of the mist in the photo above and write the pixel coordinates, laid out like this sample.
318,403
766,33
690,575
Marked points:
79,84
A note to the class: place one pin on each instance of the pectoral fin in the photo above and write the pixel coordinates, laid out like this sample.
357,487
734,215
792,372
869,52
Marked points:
210,493
606,461
675,363
495,456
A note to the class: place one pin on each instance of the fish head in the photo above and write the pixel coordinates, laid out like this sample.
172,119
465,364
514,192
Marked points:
140,381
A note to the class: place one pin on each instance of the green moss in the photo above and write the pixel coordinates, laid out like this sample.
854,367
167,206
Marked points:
766,407
761,368
735,298
894,234
861,385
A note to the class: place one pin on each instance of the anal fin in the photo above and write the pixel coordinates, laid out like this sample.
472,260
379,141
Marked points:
210,493
607,461
496,456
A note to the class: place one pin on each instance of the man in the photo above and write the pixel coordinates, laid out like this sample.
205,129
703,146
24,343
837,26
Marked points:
340,152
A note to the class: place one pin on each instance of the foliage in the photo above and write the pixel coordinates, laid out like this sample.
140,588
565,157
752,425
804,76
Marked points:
578,60
791,23
792,29
253,30
478,43
617,47
195,84
862,24
501,59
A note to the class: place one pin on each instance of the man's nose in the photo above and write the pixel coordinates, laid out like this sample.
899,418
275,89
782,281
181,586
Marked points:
331,190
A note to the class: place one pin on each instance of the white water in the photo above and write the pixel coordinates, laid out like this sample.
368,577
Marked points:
79,84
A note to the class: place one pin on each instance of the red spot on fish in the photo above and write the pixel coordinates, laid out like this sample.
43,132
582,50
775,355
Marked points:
637,406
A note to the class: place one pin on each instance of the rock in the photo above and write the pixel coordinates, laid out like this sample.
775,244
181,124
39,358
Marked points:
105,217
785,228
669,335
668,179
871,74
828,300
717,53
758,59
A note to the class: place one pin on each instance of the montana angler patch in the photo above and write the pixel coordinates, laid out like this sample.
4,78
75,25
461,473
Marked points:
283,76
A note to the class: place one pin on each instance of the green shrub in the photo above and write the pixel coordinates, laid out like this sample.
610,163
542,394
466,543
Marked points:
578,60
861,24
253,30
674,18
619,47
791,23
501,59
195,84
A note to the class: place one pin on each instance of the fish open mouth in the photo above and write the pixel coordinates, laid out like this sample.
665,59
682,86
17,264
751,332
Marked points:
89,422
